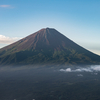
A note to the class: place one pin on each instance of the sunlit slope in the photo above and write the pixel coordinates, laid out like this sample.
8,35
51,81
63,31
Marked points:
47,46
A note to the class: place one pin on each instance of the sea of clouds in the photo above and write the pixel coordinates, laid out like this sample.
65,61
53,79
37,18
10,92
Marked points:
93,68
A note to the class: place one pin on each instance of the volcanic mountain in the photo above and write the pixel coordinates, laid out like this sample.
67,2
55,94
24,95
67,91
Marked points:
47,46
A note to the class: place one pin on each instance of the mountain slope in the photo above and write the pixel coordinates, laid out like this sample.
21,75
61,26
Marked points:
47,46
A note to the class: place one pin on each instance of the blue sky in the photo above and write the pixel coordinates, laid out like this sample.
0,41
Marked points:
78,20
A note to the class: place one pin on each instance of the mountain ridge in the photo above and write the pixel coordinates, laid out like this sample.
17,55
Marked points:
46,46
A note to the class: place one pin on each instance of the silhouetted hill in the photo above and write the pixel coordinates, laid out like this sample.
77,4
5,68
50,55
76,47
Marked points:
47,46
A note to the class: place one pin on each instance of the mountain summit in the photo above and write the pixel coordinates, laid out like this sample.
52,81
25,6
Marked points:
46,46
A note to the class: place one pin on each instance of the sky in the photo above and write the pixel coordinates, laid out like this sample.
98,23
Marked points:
79,20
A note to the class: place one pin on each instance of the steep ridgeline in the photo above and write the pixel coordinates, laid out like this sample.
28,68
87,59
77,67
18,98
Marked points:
47,46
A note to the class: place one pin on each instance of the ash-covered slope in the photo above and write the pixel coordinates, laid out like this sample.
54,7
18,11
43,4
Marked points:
46,46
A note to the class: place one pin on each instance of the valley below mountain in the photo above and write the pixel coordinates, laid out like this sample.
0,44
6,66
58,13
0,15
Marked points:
44,83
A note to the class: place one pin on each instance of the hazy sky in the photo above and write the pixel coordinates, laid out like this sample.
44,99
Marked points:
79,20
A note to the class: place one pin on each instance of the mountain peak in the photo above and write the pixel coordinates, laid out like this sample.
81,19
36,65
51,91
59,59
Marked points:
50,28
46,30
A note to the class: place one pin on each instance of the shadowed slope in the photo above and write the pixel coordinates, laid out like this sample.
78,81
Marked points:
40,40
46,46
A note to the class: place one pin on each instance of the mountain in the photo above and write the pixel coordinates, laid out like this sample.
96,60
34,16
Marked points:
47,46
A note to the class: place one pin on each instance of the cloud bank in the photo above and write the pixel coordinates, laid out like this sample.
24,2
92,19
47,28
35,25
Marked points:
7,40
88,69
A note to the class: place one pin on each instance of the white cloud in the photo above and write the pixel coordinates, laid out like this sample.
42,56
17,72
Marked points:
88,69
5,6
7,40
66,70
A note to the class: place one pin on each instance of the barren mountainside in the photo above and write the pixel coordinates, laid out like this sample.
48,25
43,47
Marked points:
46,46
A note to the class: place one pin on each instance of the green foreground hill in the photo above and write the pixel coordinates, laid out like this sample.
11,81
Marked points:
47,46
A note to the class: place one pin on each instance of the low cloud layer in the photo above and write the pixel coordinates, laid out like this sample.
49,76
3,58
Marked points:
7,40
88,69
